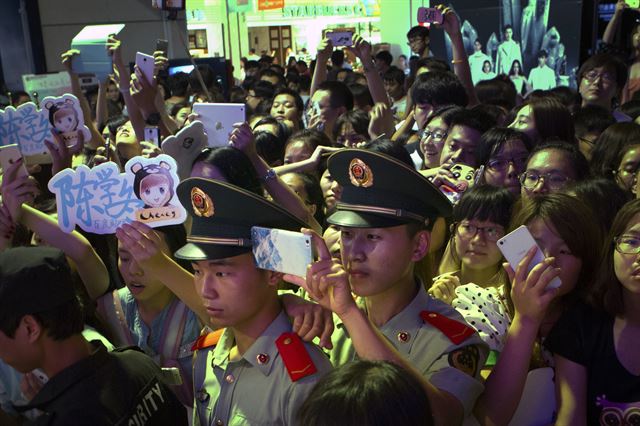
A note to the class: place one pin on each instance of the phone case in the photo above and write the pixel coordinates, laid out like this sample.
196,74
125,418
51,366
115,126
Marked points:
152,134
9,154
340,38
465,178
145,63
281,251
515,245
430,15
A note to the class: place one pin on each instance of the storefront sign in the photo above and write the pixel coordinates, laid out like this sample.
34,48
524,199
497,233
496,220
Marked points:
240,5
270,4
313,11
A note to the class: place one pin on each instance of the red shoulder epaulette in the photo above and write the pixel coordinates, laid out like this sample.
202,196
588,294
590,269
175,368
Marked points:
295,356
456,331
207,340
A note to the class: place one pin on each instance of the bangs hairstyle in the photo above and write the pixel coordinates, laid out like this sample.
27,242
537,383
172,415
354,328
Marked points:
154,180
438,88
606,292
610,63
485,203
494,139
574,222
553,119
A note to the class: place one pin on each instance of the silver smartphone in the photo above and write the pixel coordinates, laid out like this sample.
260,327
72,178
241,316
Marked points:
281,251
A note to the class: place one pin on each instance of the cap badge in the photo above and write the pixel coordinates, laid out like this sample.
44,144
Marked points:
201,202
360,174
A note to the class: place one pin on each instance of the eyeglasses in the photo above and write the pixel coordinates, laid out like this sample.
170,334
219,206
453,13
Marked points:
627,244
502,164
437,135
467,231
554,181
606,77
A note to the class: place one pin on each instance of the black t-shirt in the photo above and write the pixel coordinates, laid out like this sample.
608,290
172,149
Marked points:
109,388
585,336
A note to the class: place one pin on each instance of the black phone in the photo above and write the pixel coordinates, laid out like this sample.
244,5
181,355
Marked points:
162,46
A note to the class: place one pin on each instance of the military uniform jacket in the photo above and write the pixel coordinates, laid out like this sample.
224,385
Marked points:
108,388
449,366
256,389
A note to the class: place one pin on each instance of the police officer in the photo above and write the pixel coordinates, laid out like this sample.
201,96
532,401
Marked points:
385,216
41,322
256,371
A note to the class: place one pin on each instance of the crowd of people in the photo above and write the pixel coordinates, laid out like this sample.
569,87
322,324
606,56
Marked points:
409,313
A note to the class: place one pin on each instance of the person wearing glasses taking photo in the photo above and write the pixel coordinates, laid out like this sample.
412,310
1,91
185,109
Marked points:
600,82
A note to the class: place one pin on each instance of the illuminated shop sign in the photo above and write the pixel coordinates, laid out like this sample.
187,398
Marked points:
313,11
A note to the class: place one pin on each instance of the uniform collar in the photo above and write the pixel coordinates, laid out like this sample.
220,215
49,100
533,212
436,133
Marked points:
403,327
262,353
68,377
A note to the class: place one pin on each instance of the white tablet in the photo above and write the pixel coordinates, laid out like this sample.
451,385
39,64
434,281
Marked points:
218,120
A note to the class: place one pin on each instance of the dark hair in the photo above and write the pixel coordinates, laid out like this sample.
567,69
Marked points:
311,138
445,113
394,74
603,196
115,123
339,94
592,118
566,95
474,119
611,146
337,58
392,149
312,187
384,56
552,119
263,89
251,64
270,147
361,95
513,64
573,220
283,131
234,165
367,393
16,95
358,119
494,139
270,72
507,27
418,31
177,107
485,203
433,64
577,161
438,88
608,61
59,323
497,91
605,292
178,84
542,54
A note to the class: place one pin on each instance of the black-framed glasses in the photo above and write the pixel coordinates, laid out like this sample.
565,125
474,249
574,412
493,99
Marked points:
627,244
437,135
468,231
502,164
554,181
593,75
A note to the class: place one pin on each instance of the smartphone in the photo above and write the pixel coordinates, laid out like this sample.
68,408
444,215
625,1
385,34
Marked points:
162,46
515,245
9,154
340,38
633,3
107,148
152,134
430,15
40,375
465,178
145,63
281,251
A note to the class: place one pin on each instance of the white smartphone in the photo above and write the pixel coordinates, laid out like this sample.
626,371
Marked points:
516,244
340,38
430,15
281,251
9,154
145,63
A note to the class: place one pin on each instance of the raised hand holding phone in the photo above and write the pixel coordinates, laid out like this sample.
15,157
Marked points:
326,281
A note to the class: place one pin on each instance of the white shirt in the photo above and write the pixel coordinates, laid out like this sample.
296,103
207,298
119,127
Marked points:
542,78
476,61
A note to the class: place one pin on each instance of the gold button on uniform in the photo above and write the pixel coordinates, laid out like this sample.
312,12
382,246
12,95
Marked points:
219,422
262,358
403,336
230,378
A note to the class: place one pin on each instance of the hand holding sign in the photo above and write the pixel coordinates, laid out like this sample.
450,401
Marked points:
60,153
327,282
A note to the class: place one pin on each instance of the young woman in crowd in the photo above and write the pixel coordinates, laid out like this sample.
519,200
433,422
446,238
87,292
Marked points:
516,322
595,345
543,119
480,218
616,155
518,78
434,135
502,155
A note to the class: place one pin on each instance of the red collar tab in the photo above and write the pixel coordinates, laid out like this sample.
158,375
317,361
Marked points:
207,340
295,356
456,331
